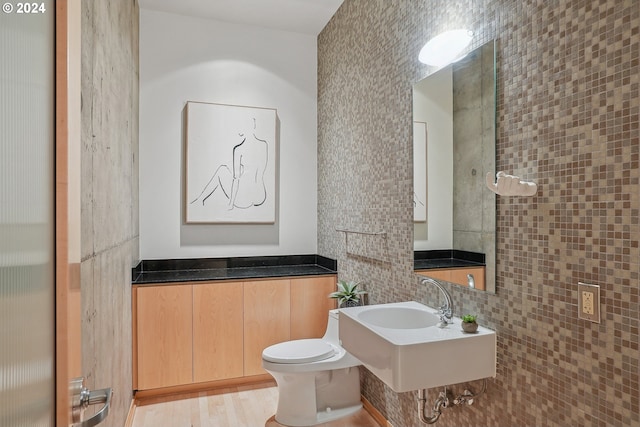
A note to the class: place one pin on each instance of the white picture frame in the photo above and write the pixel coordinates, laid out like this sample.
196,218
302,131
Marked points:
419,171
230,164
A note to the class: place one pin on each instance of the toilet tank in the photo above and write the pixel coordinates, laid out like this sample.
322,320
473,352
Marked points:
331,334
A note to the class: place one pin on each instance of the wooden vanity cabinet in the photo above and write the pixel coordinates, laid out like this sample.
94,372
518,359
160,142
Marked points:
199,332
217,331
164,340
266,320
310,304
457,275
283,310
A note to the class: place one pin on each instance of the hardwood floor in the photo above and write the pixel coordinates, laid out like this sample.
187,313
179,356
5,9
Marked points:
232,407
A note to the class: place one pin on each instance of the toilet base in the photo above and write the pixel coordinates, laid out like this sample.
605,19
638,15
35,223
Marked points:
308,399
334,414
344,413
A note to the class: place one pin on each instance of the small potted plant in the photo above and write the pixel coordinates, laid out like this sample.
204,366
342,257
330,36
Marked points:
469,324
347,294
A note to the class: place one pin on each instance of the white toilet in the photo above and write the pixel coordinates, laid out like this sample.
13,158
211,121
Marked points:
318,380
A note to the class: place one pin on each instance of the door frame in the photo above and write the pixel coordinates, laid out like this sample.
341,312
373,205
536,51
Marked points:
67,204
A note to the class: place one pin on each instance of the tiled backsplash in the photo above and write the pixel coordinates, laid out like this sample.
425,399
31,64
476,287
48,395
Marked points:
568,118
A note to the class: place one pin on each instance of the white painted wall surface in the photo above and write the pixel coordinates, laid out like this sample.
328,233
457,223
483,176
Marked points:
191,59
433,104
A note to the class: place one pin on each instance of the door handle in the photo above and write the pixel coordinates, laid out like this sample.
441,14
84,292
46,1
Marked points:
83,397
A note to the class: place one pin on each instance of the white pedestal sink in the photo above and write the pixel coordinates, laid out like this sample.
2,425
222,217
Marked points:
402,344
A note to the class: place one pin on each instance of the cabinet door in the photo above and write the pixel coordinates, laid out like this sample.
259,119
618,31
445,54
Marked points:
310,305
266,320
217,331
164,317
459,276
438,274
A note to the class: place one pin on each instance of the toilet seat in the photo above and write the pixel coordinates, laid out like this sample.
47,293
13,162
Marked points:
299,351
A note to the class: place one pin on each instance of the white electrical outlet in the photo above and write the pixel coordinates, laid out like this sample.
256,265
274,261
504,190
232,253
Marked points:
589,302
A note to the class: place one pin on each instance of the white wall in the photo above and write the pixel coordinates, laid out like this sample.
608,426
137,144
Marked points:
191,59
433,104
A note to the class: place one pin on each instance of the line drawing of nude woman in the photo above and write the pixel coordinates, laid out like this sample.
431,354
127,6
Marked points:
243,183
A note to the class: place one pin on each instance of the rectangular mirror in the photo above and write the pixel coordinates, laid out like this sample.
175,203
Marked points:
454,114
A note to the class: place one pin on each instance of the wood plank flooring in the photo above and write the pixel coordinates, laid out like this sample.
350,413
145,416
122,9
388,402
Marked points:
232,407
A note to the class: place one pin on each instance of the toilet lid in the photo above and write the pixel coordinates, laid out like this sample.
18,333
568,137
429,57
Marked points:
298,351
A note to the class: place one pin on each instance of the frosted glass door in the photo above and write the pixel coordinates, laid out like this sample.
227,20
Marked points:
26,214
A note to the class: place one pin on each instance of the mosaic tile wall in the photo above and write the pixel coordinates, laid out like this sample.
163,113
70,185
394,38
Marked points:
568,118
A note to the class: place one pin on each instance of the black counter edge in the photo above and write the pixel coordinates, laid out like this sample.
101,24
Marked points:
195,269
445,258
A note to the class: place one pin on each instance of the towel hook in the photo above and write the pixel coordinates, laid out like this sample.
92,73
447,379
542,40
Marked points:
510,185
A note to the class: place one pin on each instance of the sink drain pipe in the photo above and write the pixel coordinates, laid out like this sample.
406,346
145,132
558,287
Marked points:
442,402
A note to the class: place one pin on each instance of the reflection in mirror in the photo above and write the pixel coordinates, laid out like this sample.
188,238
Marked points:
454,119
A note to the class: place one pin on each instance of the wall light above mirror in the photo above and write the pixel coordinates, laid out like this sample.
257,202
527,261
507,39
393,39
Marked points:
445,48
456,107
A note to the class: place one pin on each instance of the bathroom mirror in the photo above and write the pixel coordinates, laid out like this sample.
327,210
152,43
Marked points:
454,148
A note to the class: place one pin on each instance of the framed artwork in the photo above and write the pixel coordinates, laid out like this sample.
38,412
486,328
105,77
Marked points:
230,164
419,172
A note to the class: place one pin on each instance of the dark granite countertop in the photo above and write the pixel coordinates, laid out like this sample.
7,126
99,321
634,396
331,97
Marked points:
424,260
203,269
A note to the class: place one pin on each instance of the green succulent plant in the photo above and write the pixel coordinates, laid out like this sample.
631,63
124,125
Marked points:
347,291
469,318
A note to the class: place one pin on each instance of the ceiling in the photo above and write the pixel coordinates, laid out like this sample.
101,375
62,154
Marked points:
300,16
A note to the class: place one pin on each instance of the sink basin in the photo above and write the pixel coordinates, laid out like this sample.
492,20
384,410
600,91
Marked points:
400,317
402,344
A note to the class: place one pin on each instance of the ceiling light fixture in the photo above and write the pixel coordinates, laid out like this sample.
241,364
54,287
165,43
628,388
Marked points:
445,48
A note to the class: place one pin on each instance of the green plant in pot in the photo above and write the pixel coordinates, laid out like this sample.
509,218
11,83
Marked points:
348,294
469,324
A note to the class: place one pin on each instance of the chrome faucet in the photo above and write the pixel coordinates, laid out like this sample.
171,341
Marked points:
446,310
